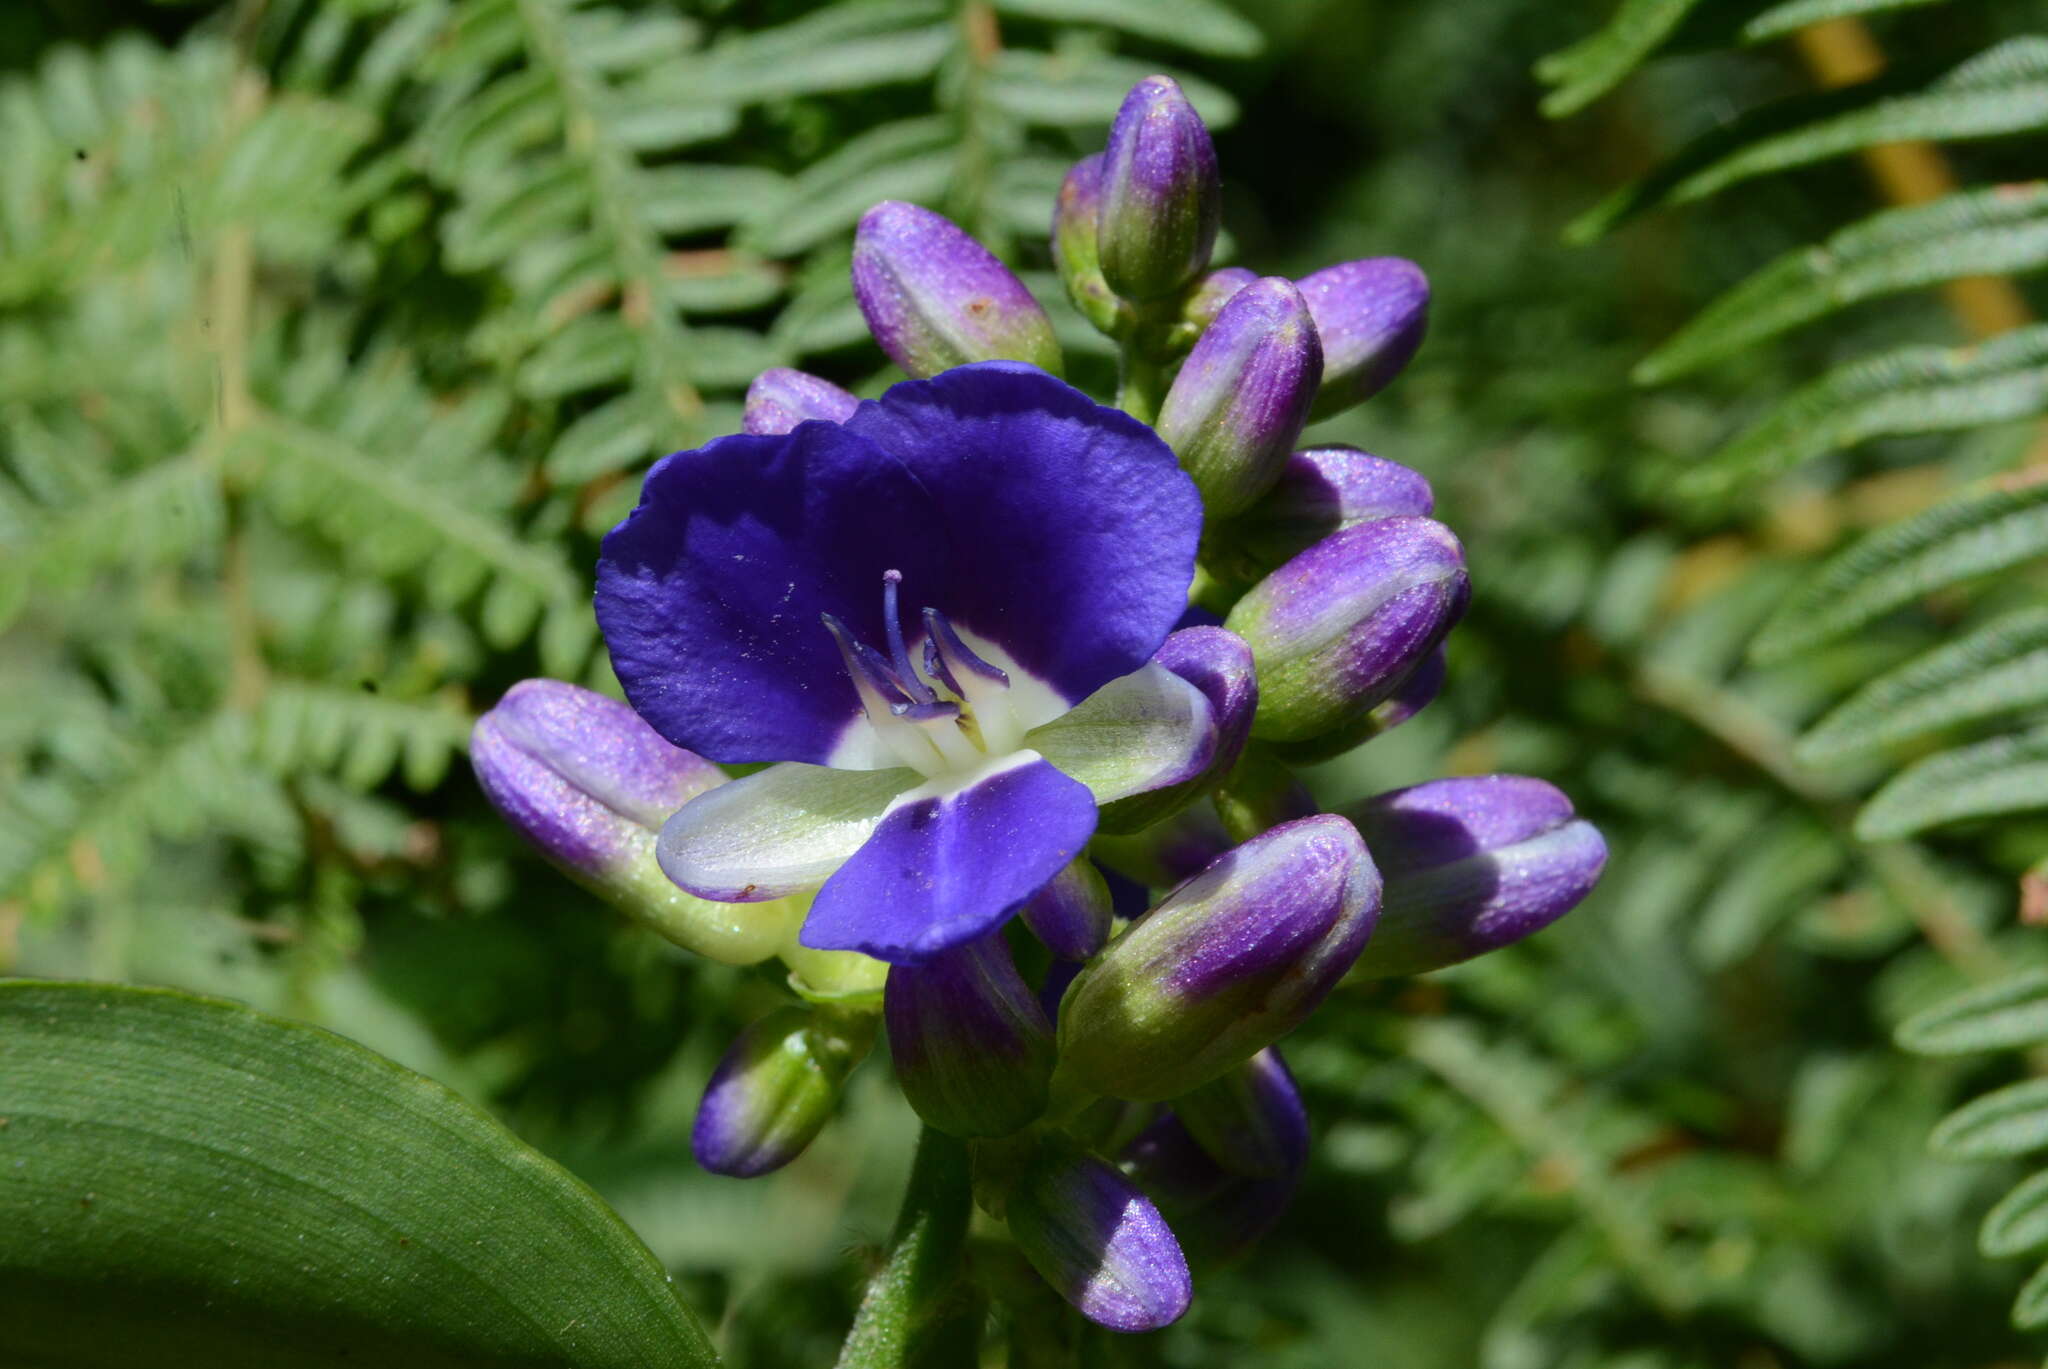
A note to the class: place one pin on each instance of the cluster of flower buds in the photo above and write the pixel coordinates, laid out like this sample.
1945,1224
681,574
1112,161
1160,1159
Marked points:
1111,1054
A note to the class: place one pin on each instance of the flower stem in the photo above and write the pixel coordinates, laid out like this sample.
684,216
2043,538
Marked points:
1140,385
916,1303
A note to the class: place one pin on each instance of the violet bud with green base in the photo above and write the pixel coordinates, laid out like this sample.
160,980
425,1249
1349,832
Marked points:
1472,864
781,398
1072,914
1219,664
589,784
1371,315
934,298
1240,400
1417,691
1161,197
1250,1119
1075,215
972,1047
1098,1240
776,1088
1337,629
1319,491
1226,965
1217,1215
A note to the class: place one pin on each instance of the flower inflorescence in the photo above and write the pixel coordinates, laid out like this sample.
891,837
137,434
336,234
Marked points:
1131,621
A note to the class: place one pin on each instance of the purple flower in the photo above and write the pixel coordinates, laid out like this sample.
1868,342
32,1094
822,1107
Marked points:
1473,864
589,784
1219,664
779,399
1371,315
1098,1241
1227,964
937,767
1161,200
935,298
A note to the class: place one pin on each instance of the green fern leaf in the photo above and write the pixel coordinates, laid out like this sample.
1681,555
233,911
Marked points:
1594,65
2000,668
1988,778
847,47
1789,17
2030,1308
2004,1123
1982,530
912,159
1912,390
1053,90
1203,26
2019,1222
2003,90
2001,1016
2001,230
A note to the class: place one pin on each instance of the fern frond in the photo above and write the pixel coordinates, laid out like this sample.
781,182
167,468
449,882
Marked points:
1987,779
1909,391
1203,26
2001,91
1999,668
1972,534
1790,16
1594,65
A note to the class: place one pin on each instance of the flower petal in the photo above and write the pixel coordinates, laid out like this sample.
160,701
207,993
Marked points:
773,833
1145,731
1069,527
951,862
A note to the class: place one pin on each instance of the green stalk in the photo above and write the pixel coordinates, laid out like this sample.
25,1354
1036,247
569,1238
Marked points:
915,1311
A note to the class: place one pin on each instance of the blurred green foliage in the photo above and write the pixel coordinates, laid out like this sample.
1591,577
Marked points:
334,332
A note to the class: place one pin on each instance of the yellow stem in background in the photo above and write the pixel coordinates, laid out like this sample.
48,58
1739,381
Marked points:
1842,52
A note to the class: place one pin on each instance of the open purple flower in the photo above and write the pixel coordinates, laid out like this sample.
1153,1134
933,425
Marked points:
938,616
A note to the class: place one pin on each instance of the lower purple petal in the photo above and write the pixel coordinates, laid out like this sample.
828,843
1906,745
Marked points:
943,870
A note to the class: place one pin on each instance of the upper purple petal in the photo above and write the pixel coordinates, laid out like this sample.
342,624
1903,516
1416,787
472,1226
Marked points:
1060,530
942,871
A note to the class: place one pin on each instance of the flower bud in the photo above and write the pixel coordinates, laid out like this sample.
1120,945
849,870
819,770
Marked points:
1074,218
1371,315
1226,965
1415,692
1472,864
1071,915
1217,1215
1321,491
775,1089
1250,1119
1219,664
973,1049
1161,199
1199,305
1098,1241
1338,628
1259,794
589,784
1240,399
935,298
781,398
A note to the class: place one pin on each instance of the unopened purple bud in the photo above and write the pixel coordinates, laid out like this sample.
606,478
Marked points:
781,398
1472,864
1240,399
589,784
935,298
1074,254
1372,315
1072,914
1226,965
1098,1241
1217,1215
1251,1118
1207,296
1161,199
775,1089
1320,491
1338,628
1415,693
1219,664
972,1047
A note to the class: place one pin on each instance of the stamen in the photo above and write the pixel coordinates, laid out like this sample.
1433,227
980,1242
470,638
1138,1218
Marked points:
873,677
899,655
939,630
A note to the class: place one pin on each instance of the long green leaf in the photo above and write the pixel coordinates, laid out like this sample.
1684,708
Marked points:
2003,775
1912,390
2004,1123
1982,530
1792,15
2002,90
2002,230
185,1182
1594,65
2000,668
2012,1012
